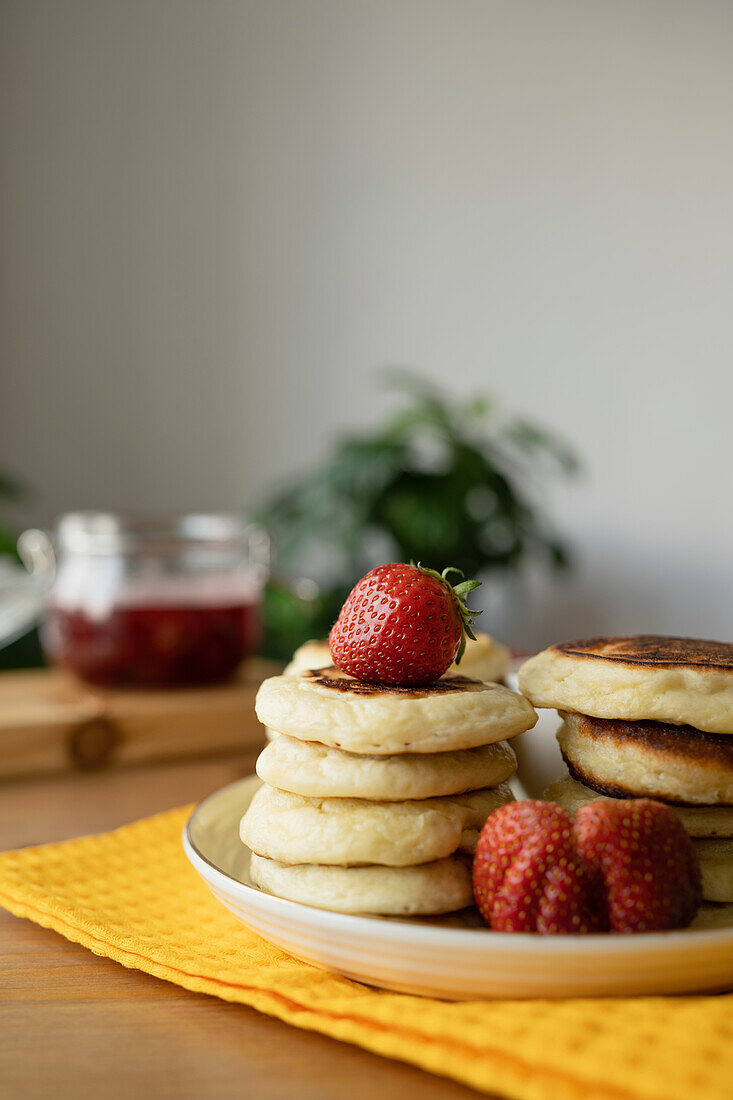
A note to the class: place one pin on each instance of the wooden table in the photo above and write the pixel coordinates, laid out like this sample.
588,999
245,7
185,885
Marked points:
73,1024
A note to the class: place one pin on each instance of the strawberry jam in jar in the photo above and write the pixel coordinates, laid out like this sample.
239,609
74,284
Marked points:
151,601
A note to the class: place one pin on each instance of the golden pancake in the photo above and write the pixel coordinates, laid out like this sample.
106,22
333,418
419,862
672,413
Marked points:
430,888
716,865
698,821
650,759
354,832
682,681
317,771
333,709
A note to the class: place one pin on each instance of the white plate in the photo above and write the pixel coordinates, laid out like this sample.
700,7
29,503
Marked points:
448,957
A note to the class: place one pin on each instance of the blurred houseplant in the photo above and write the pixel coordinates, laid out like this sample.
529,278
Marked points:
12,491
20,647
447,482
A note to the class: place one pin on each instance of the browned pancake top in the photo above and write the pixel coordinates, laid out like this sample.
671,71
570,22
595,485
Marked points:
653,651
684,742
336,680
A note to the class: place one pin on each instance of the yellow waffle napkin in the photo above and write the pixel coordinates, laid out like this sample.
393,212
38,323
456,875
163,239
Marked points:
132,896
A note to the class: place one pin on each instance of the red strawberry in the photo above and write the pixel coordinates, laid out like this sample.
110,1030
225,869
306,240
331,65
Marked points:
402,624
650,870
528,875
627,866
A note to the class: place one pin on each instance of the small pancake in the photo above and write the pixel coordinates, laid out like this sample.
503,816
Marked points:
453,713
311,655
483,659
440,887
307,768
682,681
651,759
710,915
716,865
698,821
354,832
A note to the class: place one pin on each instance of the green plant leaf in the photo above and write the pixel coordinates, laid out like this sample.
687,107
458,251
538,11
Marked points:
534,439
12,488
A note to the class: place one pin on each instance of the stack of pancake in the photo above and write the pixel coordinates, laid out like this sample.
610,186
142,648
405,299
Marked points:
374,795
647,717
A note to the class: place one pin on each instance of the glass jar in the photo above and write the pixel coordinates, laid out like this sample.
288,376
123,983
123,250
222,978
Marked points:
150,600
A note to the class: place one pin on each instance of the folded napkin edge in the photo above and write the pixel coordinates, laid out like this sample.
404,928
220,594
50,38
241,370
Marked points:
385,1039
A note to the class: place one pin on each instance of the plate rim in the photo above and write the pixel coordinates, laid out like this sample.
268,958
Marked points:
590,944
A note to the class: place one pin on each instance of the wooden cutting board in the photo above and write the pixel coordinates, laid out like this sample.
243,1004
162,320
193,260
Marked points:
50,722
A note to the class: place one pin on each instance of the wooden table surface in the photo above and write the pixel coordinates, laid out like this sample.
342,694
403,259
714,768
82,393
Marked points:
73,1024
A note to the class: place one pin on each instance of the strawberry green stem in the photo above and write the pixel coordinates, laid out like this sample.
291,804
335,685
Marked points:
458,592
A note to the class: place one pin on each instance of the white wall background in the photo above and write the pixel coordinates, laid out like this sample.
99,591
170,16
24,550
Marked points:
218,216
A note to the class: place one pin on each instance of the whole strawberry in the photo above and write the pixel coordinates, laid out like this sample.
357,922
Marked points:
402,624
528,875
649,867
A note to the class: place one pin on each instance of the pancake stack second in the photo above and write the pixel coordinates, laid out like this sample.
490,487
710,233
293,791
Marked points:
374,796
647,717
